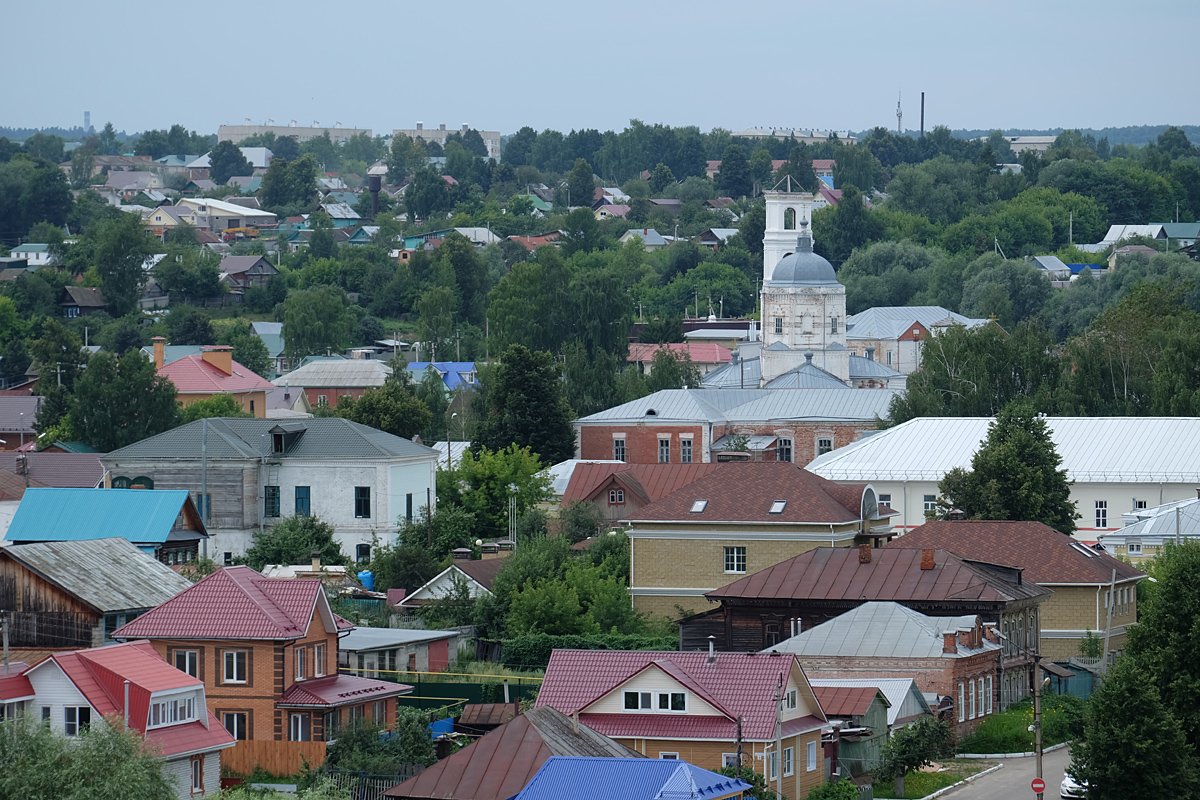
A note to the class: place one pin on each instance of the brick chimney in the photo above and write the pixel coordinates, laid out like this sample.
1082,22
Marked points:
864,554
949,642
315,564
927,560
220,356
160,351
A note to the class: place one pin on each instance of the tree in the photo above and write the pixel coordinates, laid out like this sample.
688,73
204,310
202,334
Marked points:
119,246
393,407
670,371
218,405
838,230
427,195
734,178
366,748
1133,745
580,184
521,402
912,747
841,789
580,520
660,178
118,401
248,349
189,325
225,161
483,483
294,540
106,761
317,320
403,566
1015,475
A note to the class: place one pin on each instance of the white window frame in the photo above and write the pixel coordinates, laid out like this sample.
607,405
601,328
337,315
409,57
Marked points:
735,555
729,760
73,724
979,685
789,700
789,761
241,722
989,694
191,658
319,660
962,702
299,727
929,503
686,453
667,755
616,497
812,757
664,453
619,451
773,764
300,674
643,701
824,445
198,774
1101,514
785,449
971,698
1134,547
240,658
669,697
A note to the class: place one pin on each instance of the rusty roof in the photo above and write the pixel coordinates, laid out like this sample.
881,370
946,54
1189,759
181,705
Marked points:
474,714
649,481
838,574
1045,555
848,701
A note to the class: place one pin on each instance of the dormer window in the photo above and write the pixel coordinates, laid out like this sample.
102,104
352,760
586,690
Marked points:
698,506
173,711
277,443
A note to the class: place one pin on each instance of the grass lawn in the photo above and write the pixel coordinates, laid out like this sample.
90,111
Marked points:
920,784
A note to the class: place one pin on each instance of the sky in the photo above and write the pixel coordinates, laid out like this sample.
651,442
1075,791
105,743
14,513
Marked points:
566,64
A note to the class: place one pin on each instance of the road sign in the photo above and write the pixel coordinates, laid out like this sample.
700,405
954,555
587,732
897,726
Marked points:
1038,785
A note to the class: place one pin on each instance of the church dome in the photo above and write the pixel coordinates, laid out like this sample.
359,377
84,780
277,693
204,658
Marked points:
804,267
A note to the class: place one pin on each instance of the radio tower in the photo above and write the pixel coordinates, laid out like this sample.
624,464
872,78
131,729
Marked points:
899,114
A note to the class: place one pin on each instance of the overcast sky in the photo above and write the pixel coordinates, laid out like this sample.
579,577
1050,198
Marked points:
564,64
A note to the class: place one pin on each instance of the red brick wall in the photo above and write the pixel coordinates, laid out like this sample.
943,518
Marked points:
641,441
332,394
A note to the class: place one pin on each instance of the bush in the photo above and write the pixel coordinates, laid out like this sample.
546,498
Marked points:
1008,731
836,790
532,650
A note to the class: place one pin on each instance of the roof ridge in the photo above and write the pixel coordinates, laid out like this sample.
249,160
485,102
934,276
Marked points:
261,596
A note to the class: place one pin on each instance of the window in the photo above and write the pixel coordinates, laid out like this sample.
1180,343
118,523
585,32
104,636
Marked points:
930,503
322,399
982,705
698,506
303,501
1134,547
637,701
228,558
301,652
408,507
885,500
685,450
332,723
204,505
299,728
729,760
777,507
362,502
271,501
187,661
618,449
237,723
735,559
811,766
197,774
771,634
1101,513
773,764
789,761
1139,505
362,553
668,756
789,219
616,497
169,712
664,450
46,714
833,324
379,712
76,719
789,700
672,701
785,450
234,666
356,714
971,699
962,701
779,326
824,445
989,694
318,660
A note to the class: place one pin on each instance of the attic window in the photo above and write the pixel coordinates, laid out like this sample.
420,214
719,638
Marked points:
778,506
277,443
650,412
699,506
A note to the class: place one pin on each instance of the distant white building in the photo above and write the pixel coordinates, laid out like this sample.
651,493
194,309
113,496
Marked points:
1148,530
1116,464
440,135
896,332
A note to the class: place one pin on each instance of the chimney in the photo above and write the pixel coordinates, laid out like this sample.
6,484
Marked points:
220,356
949,642
712,649
160,352
22,465
927,560
864,554
126,709
316,561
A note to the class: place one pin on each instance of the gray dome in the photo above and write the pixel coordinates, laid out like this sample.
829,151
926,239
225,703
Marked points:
804,267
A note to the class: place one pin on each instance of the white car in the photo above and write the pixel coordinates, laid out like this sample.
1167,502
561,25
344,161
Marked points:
1072,789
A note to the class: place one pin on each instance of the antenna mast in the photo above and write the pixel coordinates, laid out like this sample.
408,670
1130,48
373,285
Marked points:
899,114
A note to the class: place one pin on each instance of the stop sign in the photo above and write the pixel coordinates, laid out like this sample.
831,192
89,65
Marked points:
1038,785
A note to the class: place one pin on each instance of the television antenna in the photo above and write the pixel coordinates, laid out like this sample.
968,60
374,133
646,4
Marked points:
899,114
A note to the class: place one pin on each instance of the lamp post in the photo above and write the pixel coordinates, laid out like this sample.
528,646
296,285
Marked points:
512,515
450,441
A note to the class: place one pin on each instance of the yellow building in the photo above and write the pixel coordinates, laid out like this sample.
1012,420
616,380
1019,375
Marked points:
213,372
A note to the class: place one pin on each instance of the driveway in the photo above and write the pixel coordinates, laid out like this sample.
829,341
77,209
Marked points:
1011,782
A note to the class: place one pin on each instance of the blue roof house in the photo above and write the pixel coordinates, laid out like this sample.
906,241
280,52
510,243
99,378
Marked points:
455,374
583,778
163,523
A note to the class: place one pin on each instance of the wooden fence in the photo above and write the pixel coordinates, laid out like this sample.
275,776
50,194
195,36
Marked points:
277,758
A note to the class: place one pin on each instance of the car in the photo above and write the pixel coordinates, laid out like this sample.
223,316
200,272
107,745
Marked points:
1072,788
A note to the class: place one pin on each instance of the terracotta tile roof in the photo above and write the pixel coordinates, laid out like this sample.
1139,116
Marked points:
650,481
232,603
847,701
193,375
698,352
1045,555
339,690
746,491
740,684
836,573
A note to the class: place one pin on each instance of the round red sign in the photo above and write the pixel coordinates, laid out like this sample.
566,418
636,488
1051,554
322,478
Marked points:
1038,785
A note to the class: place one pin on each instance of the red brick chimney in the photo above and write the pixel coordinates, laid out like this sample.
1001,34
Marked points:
927,560
219,356
159,351
864,554
949,642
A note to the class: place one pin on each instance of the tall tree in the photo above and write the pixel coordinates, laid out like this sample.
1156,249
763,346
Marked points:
225,161
837,231
1015,475
393,407
317,320
293,540
117,402
734,178
580,184
522,403
119,248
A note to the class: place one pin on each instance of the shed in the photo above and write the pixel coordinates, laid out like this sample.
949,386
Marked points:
370,651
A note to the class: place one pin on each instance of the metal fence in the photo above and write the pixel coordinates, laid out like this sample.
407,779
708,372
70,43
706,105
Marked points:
453,690
363,786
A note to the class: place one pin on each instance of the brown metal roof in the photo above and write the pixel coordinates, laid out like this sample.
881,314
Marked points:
57,470
848,701
482,571
1045,555
489,714
652,481
498,765
836,573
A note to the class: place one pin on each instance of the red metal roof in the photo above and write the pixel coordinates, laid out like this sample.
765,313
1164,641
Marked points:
745,492
847,701
232,603
191,737
661,726
837,573
193,375
1045,555
13,683
339,690
651,481
740,684
698,352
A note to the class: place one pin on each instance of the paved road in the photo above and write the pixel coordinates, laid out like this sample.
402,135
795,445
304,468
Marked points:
1011,782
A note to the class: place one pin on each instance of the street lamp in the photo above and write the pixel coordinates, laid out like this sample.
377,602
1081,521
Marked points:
450,441
512,515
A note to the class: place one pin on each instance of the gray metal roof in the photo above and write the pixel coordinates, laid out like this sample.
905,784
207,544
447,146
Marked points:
107,574
903,695
341,373
387,638
863,367
880,630
807,376
740,374
1093,449
239,439
889,322
748,405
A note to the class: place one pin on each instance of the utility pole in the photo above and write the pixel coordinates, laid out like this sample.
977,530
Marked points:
4,617
1037,718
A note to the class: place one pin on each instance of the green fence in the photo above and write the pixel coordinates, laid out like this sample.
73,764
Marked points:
453,690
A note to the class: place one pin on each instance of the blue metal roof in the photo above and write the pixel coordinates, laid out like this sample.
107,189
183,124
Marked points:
143,516
453,373
627,779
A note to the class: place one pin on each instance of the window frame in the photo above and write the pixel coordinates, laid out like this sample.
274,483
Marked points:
362,502
300,726
616,497
989,694
971,698
789,761
979,685
298,672
198,774
225,654
196,657
824,445
784,451
642,700
75,723
962,702
668,755
664,449
669,699
811,764
319,655
928,503
619,451
271,504
302,509
241,723
734,554
1101,519
686,452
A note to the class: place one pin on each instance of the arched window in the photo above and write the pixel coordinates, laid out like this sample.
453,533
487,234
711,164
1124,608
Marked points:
789,219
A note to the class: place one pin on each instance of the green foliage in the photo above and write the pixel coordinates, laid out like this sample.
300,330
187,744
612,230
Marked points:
106,763
734,179
521,402
117,249
226,161
758,784
1015,475
1091,646
294,540
218,405
365,748
317,321
579,520
393,407
248,349
189,325
119,401
834,790
838,230
481,484
290,186
580,184
450,527
31,191
1008,731
912,747
532,650
403,566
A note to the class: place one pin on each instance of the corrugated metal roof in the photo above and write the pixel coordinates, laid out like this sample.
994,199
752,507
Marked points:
749,405
192,374
889,322
72,470
807,376
863,367
1093,450
107,574
338,690
475,715
847,701
881,630
376,638
903,695
60,515
347,373
627,779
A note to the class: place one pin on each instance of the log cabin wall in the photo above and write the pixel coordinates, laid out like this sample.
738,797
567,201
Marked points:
41,614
